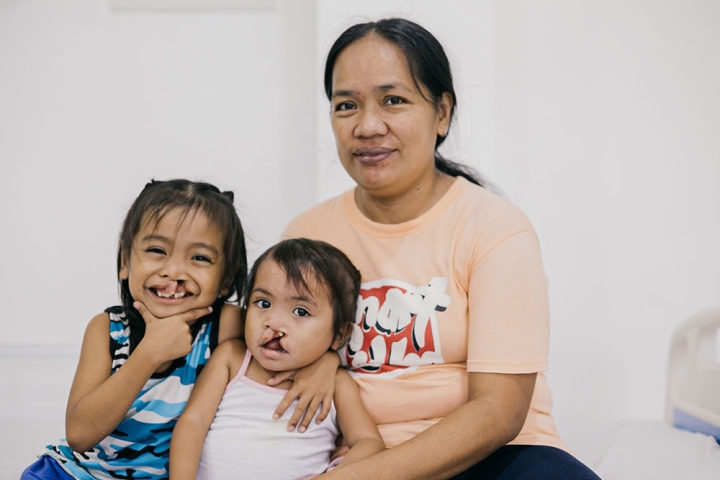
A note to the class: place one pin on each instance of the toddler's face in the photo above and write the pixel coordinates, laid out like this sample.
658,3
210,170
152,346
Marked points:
175,265
287,329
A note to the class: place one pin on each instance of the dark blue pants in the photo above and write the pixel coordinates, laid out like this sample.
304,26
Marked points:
512,462
528,462
45,468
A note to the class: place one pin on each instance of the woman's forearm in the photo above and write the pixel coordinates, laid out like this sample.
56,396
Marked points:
457,442
449,447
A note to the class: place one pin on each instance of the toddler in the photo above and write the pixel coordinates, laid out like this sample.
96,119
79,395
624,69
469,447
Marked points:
299,302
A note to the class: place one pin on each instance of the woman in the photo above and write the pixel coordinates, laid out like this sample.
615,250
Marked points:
451,336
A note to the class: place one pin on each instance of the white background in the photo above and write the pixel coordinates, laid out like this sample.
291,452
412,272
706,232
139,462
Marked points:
600,120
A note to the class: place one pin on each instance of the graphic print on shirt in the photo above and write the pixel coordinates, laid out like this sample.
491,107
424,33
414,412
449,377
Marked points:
396,327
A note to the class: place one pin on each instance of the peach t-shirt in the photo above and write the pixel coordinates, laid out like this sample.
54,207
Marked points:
459,289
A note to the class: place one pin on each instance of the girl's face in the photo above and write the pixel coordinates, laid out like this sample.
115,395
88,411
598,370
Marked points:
384,128
287,329
175,265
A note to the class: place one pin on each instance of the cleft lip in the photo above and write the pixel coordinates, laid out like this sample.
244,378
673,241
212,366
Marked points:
171,295
171,291
274,343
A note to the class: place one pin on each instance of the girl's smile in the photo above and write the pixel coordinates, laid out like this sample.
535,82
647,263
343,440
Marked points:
175,290
176,264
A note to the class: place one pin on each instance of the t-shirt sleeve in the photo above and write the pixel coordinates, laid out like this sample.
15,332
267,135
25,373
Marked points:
509,320
311,222
292,230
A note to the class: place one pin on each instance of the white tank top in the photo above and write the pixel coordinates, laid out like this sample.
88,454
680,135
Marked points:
245,442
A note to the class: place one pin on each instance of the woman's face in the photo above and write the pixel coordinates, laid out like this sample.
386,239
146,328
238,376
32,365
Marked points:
384,128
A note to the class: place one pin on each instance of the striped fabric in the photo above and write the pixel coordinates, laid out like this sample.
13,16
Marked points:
139,447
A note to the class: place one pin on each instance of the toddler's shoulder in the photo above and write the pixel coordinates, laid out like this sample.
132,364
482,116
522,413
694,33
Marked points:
232,347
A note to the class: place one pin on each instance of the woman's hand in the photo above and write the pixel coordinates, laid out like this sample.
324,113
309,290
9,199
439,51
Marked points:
313,386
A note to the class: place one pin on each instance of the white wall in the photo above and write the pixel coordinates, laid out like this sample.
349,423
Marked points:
94,105
600,119
607,118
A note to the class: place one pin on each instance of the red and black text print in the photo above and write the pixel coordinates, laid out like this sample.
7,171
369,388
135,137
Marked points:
396,327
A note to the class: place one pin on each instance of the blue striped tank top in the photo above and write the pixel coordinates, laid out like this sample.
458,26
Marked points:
139,447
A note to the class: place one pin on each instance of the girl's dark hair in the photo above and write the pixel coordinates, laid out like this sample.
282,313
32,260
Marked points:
159,198
429,67
303,259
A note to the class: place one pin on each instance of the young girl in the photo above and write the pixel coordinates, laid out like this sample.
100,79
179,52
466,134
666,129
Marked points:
181,255
299,302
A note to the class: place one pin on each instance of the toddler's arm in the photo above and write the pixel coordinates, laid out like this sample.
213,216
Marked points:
98,401
189,434
313,387
356,424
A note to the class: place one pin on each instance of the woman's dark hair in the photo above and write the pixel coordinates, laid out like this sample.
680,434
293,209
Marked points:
428,65
159,198
302,260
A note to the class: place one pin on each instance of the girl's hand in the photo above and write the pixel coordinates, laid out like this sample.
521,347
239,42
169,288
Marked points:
168,338
313,386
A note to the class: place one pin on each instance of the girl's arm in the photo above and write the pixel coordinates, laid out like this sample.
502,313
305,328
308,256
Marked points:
192,427
494,415
231,323
98,401
357,426
313,387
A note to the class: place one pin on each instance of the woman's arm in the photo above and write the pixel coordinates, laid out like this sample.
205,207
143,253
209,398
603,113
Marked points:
356,424
313,387
99,401
495,413
189,433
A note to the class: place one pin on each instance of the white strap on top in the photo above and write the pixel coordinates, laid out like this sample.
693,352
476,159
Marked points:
242,371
